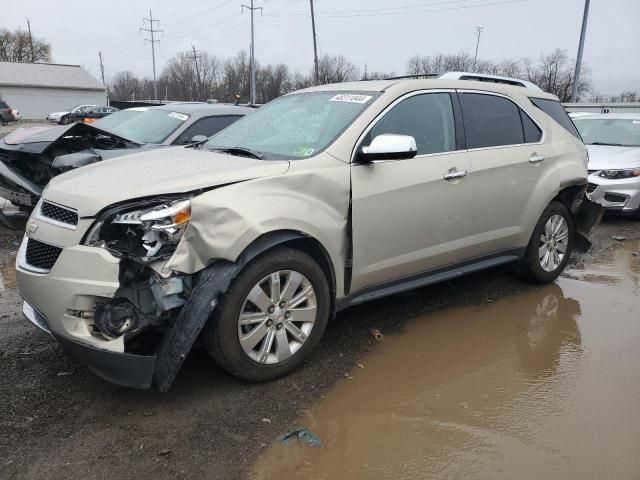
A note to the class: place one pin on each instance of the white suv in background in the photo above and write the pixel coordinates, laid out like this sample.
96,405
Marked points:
320,200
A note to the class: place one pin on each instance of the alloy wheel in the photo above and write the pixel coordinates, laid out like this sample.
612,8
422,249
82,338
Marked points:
277,317
554,242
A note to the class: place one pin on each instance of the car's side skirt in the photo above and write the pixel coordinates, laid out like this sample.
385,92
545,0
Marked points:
430,277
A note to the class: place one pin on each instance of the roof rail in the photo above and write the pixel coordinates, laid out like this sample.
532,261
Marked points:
482,77
419,75
477,77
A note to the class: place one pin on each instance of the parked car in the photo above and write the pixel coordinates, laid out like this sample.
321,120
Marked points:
91,115
322,199
63,117
30,157
7,113
613,141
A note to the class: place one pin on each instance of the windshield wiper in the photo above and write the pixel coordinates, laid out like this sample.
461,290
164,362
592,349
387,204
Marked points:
240,151
607,144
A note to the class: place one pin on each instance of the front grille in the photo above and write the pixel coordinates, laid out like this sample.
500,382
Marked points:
592,187
41,255
58,213
592,171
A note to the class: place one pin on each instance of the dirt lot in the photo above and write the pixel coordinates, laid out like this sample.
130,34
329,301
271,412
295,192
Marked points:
60,421
22,124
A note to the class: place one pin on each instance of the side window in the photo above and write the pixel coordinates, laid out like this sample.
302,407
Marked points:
490,121
532,133
207,126
556,111
427,117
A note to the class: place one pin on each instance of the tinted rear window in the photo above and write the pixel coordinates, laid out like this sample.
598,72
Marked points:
490,121
555,110
532,134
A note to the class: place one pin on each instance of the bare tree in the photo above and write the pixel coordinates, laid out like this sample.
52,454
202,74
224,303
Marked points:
124,86
336,69
16,47
554,74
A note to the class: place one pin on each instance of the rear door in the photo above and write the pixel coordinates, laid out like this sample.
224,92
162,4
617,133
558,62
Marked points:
507,157
406,217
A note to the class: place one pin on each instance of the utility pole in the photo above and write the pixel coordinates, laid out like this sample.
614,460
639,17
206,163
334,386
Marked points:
101,67
583,32
153,42
475,58
252,93
195,59
315,43
33,58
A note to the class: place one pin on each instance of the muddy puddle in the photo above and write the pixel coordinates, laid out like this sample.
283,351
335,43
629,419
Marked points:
544,384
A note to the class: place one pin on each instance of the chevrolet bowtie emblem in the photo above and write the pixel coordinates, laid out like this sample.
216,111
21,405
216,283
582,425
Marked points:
31,228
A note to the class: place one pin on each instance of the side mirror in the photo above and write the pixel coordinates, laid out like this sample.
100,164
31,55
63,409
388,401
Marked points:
389,147
199,139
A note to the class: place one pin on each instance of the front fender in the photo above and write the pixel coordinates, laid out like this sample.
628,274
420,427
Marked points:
225,221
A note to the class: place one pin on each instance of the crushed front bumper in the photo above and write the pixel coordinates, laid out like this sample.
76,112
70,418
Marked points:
79,279
126,369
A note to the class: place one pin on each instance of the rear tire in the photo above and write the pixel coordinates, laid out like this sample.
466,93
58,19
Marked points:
286,332
550,245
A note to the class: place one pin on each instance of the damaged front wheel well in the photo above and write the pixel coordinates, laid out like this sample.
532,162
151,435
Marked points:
303,243
568,196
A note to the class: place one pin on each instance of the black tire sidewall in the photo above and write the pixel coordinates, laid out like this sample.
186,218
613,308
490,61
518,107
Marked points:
531,265
221,333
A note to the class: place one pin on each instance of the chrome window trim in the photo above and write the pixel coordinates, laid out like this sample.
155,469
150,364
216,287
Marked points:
386,110
449,90
39,216
496,94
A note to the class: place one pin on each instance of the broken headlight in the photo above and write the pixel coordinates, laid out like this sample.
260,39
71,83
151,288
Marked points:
145,234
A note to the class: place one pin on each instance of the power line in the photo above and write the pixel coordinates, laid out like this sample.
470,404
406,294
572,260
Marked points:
583,32
252,93
30,41
195,57
101,67
479,30
153,42
365,14
315,45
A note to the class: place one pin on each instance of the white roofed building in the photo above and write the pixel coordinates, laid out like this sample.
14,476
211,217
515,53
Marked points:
36,89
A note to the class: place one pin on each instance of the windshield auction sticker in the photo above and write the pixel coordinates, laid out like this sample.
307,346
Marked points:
179,116
351,98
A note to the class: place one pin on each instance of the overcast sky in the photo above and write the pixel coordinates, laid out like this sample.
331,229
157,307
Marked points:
380,33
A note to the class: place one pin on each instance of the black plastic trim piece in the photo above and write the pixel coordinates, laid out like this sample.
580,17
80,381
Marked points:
430,277
125,369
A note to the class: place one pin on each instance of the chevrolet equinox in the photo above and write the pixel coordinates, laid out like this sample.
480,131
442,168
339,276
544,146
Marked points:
322,199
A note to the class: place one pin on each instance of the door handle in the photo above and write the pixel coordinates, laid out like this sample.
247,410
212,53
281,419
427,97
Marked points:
536,158
455,174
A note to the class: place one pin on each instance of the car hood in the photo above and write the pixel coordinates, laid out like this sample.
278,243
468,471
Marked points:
609,157
59,114
38,139
158,172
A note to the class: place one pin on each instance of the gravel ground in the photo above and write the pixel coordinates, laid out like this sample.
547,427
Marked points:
4,130
60,421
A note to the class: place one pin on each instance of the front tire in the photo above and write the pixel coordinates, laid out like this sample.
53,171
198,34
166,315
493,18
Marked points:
550,245
271,317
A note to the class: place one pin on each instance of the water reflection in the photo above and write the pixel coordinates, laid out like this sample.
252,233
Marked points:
448,390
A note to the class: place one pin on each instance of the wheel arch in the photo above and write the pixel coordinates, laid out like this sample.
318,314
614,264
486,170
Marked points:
299,241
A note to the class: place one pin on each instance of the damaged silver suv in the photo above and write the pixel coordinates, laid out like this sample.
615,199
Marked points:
322,199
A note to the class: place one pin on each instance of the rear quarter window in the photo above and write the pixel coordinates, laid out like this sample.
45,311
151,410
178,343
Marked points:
555,110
